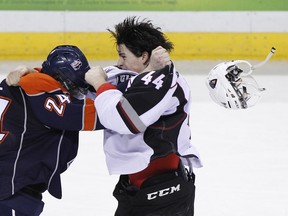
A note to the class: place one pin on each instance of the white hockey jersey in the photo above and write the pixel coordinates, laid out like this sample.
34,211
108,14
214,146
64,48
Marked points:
149,120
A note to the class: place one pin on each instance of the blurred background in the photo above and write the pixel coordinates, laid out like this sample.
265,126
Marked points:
244,152
206,29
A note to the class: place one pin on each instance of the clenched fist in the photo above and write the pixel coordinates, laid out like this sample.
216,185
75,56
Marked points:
159,59
14,76
96,76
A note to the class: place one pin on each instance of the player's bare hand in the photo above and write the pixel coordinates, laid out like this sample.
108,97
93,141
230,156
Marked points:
159,59
14,76
96,76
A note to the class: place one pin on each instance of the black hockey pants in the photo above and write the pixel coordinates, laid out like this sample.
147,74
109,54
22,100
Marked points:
168,194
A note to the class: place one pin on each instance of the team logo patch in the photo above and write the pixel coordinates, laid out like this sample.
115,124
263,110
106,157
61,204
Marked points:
213,83
76,64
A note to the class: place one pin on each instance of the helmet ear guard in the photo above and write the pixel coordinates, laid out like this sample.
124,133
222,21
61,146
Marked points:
68,65
231,85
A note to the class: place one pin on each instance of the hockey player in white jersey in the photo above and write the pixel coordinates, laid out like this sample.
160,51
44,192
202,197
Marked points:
147,140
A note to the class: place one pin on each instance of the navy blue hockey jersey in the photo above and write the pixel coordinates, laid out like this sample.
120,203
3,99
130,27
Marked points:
38,137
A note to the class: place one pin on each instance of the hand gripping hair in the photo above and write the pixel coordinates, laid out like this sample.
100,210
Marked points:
68,65
232,86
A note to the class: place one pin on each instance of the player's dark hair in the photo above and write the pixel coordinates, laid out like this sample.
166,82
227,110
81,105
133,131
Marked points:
140,36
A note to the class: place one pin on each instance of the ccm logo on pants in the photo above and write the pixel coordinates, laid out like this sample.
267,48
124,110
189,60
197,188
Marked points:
163,192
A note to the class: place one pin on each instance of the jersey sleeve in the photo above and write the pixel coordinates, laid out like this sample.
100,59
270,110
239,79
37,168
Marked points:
147,97
54,107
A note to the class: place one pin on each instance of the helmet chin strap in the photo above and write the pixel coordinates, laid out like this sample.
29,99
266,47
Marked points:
260,64
272,51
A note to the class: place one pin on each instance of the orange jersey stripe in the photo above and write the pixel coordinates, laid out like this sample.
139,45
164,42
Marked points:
90,116
35,83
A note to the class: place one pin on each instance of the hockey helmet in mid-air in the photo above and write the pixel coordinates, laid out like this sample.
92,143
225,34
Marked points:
231,85
68,65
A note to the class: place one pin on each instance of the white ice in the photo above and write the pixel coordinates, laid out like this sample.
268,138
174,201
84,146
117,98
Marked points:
245,156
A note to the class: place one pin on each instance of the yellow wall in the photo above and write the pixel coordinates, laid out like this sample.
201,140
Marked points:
100,46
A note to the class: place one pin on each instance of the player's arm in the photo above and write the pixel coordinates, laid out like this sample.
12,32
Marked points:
54,107
14,76
147,97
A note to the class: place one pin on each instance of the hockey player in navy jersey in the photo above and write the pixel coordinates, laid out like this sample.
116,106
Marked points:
57,111
40,124
147,140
